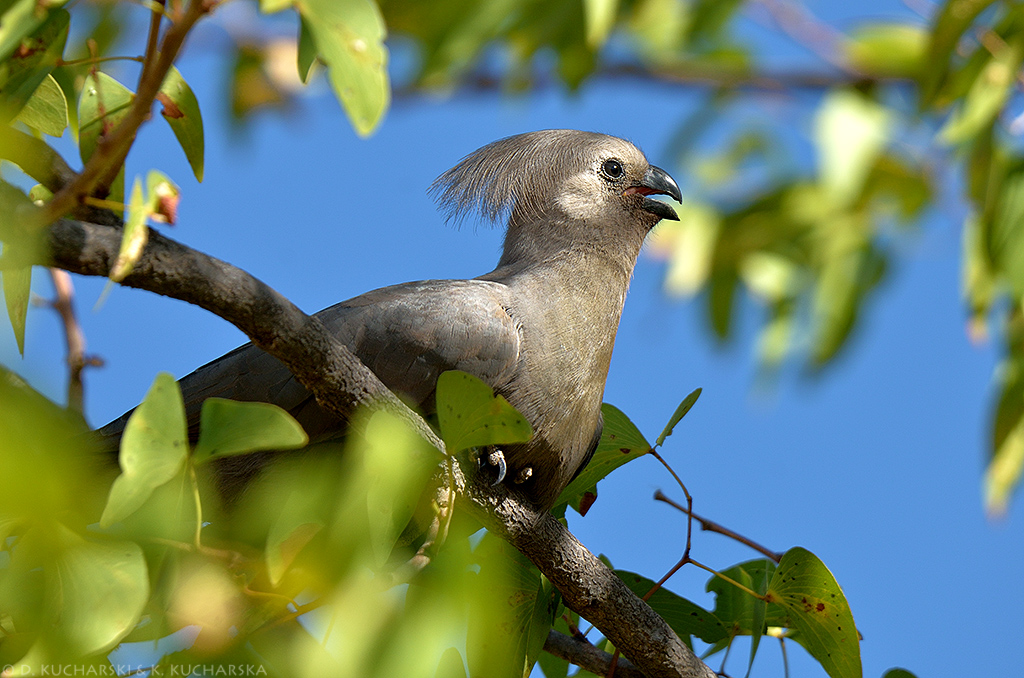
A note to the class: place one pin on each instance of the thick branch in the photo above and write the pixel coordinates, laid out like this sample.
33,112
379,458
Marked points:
340,383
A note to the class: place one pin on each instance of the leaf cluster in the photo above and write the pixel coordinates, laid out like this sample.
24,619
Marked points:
300,576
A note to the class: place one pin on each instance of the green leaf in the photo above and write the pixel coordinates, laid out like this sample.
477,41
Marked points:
34,58
818,610
470,415
451,665
889,50
845,279
685,618
98,590
621,442
17,21
689,244
721,301
1006,461
228,428
734,607
397,465
153,449
851,130
1004,470
951,21
306,53
103,105
680,412
135,235
759,608
511,611
17,284
47,109
349,37
1005,235
181,111
988,94
600,18
898,673
297,522
978,279
22,72
274,6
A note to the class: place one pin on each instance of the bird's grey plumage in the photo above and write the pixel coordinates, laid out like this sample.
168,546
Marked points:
539,328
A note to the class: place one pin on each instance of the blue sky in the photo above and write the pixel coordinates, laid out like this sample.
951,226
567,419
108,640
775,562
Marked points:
875,466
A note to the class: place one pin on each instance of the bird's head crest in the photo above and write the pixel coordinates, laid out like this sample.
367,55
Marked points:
517,173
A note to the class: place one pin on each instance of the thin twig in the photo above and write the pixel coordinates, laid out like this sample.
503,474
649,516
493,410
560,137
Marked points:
74,338
708,525
152,39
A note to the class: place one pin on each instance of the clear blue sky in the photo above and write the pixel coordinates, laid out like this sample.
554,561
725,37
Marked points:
875,466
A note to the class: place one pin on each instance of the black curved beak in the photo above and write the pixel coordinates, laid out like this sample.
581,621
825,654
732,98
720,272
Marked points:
657,181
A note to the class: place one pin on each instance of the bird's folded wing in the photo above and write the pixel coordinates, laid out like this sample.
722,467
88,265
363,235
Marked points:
406,334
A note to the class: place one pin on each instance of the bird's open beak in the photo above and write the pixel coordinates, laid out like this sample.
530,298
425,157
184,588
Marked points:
656,181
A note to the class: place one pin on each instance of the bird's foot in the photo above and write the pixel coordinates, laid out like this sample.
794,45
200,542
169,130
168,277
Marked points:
494,458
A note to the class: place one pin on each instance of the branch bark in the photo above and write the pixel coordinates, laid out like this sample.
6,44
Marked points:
341,383
586,656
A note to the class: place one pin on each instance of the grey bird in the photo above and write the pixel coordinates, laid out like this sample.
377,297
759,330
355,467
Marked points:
539,328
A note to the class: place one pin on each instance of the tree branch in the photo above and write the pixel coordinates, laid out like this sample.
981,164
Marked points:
588,657
586,584
341,383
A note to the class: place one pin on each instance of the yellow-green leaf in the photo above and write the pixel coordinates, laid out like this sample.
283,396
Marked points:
952,19
988,94
103,105
889,50
680,412
850,131
17,283
600,17
47,109
102,589
181,111
153,449
229,428
621,442
135,235
35,56
274,6
306,57
470,415
349,37
818,610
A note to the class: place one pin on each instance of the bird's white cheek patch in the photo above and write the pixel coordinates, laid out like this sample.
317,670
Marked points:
580,196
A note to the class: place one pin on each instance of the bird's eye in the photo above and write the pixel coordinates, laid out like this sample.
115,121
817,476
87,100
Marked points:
612,169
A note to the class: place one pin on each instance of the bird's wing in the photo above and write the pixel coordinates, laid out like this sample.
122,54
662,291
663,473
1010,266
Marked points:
406,334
